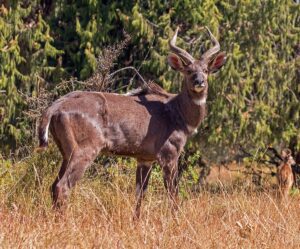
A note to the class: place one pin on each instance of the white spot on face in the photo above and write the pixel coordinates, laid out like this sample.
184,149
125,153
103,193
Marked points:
198,89
291,160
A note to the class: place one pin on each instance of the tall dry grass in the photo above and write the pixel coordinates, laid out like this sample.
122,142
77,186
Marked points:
99,215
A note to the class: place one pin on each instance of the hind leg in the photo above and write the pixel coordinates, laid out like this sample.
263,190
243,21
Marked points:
71,172
66,144
60,175
78,153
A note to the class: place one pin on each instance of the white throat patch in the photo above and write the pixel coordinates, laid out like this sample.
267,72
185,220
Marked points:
199,102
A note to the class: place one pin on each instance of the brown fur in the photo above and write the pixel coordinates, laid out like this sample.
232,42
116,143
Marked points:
285,175
150,125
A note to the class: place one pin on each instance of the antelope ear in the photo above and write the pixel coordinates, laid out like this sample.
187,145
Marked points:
217,62
175,62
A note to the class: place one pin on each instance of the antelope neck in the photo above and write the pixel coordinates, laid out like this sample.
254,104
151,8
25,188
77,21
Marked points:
192,110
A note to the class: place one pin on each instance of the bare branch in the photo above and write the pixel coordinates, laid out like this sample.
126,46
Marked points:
132,68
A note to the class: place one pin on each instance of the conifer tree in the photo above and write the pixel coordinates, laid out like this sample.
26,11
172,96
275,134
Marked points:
253,101
27,59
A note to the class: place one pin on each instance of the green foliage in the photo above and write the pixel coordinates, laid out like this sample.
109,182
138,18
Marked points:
26,62
253,101
258,91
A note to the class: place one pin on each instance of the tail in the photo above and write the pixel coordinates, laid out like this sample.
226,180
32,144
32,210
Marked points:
44,128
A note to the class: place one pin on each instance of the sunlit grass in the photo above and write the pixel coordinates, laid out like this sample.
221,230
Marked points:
99,214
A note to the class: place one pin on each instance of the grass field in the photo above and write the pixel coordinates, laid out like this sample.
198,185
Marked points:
99,215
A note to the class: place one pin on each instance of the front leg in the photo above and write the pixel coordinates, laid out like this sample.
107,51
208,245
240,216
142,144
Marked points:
142,178
168,159
170,174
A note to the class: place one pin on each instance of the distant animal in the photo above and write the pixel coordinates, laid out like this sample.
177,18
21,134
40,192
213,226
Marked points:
285,174
149,125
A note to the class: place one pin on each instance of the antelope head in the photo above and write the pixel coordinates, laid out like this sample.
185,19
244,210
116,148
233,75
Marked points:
287,157
196,71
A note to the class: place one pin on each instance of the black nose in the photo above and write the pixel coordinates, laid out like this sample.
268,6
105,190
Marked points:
200,83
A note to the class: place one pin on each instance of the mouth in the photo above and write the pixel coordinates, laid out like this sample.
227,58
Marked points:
198,88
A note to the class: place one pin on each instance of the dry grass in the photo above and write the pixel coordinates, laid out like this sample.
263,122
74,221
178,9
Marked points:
99,215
